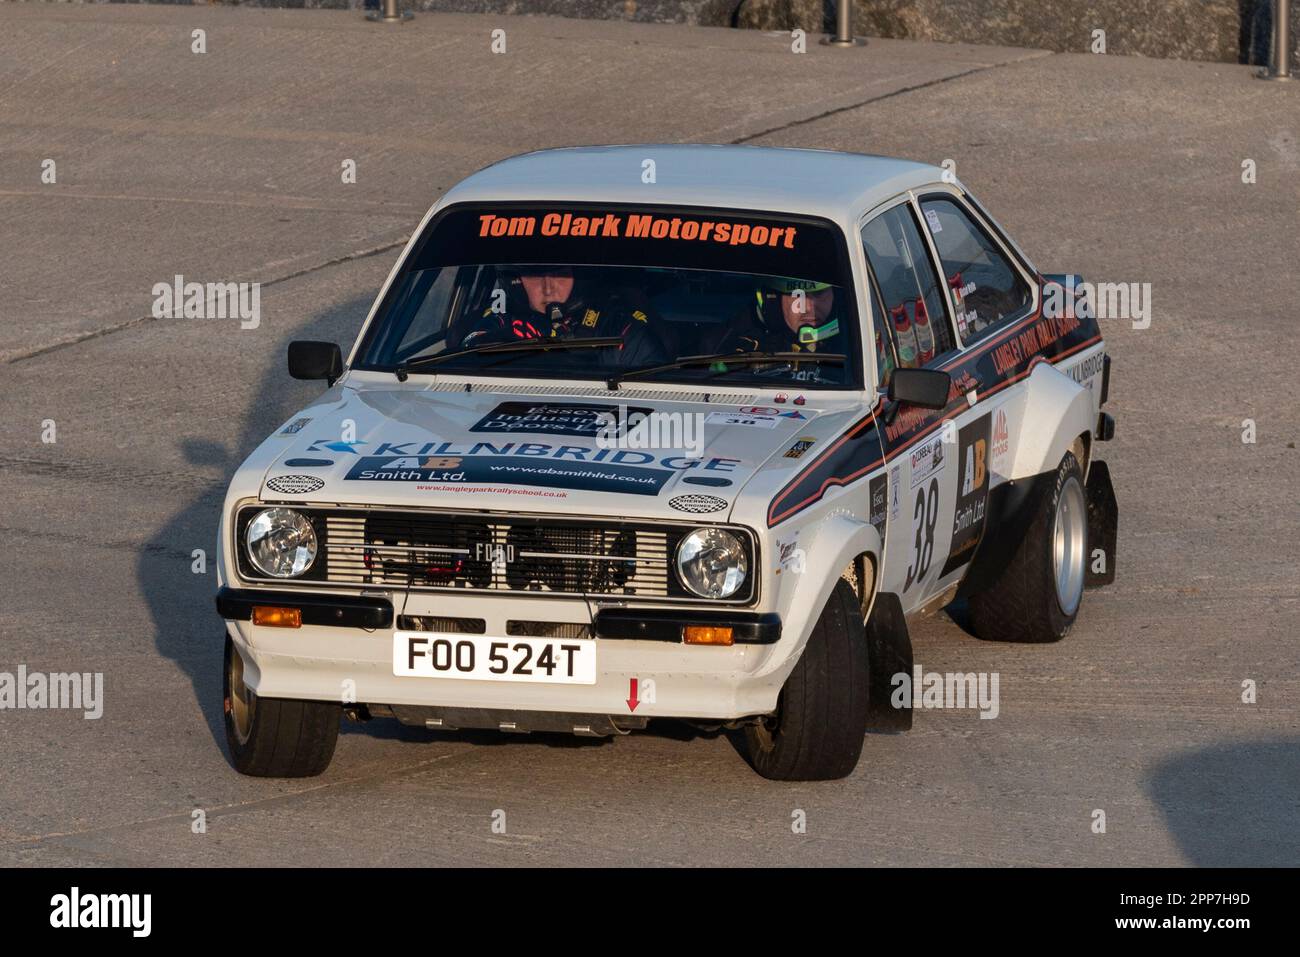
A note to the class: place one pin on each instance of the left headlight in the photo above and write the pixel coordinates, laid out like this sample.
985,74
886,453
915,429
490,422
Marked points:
281,543
712,563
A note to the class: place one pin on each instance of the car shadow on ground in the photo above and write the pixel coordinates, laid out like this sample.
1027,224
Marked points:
1233,805
390,729
958,612
187,629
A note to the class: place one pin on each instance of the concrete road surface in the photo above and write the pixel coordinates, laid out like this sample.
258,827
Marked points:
226,165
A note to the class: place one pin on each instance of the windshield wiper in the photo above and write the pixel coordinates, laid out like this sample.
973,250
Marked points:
739,358
524,345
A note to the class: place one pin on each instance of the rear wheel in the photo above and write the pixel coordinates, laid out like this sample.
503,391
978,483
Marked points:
272,737
821,715
1037,596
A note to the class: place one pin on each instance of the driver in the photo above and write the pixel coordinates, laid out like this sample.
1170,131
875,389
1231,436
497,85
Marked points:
541,303
790,315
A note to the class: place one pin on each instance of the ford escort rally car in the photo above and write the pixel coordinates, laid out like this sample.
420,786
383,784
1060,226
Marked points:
607,450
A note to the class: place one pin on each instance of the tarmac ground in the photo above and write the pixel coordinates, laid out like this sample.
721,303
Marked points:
225,166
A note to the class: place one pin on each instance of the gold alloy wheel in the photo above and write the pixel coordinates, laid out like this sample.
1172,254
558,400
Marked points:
242,701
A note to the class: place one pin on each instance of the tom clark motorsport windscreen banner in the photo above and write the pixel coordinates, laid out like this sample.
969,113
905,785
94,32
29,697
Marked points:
626,236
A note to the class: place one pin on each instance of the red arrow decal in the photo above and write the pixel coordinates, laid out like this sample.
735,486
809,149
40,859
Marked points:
631,701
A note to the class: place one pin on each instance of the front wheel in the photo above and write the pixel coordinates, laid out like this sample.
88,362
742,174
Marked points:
271,737
1036,598
821,715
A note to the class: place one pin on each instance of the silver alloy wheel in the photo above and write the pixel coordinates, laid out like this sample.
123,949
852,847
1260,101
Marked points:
242,702
1068,532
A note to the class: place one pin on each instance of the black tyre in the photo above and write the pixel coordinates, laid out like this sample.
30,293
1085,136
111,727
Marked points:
821,716
1037,597
275,738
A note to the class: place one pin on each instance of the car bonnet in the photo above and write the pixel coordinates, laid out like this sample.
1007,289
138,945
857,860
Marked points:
507,452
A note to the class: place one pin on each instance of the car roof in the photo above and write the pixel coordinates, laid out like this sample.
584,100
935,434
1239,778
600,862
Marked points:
826,183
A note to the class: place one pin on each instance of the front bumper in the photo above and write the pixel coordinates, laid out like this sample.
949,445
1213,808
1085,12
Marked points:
338,611
325,660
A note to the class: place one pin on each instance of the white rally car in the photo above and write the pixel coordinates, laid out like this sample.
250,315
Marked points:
613,446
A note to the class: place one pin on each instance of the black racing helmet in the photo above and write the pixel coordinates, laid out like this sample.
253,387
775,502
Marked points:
510,278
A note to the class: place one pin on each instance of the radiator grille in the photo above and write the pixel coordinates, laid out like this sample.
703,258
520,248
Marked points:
455,626
475,552
548,629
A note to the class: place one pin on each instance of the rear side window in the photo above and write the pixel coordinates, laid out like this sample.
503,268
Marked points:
906,282
986,288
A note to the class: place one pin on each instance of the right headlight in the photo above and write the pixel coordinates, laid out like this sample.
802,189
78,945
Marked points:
711,563
281,543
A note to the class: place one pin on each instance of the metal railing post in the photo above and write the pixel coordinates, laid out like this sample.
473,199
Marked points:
390,14
843,27
1279,67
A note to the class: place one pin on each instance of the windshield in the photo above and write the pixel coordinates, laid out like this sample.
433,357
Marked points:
650,288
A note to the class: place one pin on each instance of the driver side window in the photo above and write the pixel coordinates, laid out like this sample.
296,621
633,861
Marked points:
914,316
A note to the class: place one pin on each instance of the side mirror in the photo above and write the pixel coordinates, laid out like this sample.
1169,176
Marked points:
928,388
315,360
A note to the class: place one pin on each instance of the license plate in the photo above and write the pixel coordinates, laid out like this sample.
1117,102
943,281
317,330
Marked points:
422,654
